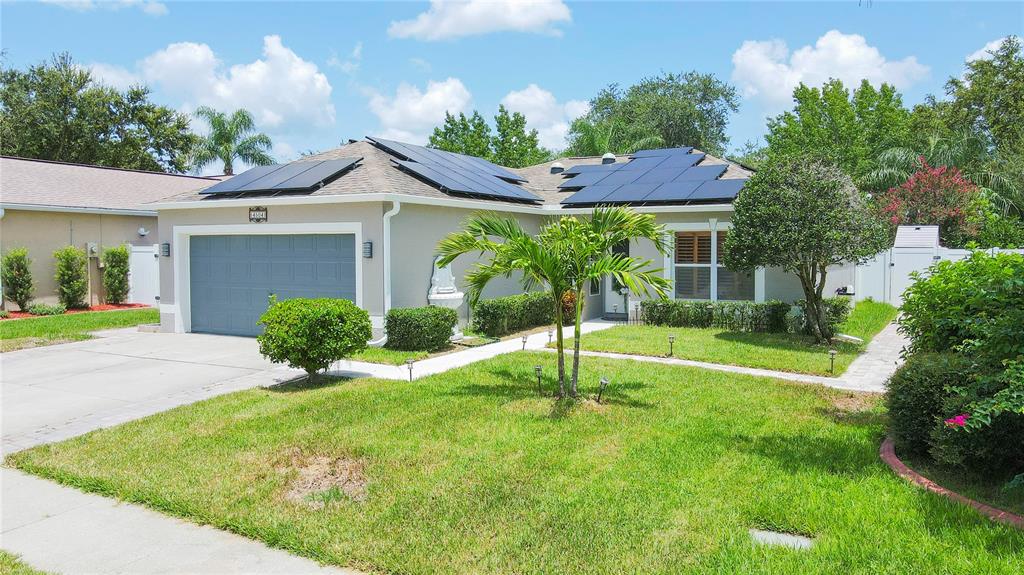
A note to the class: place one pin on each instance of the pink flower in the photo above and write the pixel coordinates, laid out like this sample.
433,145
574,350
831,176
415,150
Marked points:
958,421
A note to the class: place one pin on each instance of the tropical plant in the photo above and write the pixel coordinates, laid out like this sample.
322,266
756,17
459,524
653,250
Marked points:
72,276
17,277
564,257
803,216
935,196
231,138
598,138
115,274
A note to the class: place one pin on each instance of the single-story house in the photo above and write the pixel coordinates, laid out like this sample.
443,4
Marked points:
47,205
362,222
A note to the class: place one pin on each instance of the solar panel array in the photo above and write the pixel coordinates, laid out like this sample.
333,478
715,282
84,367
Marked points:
458,173
665,176
300,176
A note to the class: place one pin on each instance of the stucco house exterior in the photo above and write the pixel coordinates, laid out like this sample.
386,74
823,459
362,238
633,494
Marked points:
369,233
47,205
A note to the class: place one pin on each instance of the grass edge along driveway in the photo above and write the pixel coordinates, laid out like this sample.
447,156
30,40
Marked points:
472,471
47,330
776,351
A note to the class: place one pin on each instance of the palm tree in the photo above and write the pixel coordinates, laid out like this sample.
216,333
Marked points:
566,255
966,152
597,138
230,138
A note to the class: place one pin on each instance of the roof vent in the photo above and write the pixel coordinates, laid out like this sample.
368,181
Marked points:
608,158
557,168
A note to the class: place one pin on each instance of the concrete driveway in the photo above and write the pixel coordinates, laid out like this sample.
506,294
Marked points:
57,392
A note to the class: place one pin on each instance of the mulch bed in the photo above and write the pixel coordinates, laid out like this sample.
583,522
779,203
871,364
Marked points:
888,455
101,307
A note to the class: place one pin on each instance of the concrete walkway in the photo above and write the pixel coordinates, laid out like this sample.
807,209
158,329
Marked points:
868,372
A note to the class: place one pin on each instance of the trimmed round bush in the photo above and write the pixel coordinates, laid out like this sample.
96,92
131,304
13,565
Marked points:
47,309
115,274
17,277
917,395
420,328
72,276
311,334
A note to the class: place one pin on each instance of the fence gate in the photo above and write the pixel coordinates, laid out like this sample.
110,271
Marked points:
144,275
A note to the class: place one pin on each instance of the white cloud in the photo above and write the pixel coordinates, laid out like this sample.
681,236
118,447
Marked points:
349,65
448,19
151,7
412,113
280,89
545,114
983,53
114,76
767,69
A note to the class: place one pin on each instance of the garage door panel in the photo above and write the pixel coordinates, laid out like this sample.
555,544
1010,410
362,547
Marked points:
232,276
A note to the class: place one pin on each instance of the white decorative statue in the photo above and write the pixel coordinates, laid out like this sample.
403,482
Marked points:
443,292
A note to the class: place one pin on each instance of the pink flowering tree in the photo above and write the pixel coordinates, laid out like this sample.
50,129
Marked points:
939,196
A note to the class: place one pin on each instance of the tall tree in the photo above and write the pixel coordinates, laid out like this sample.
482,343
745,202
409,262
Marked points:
231,138
515,146
689,109
832,225
848,130
470,136
57,111
989,98
563,258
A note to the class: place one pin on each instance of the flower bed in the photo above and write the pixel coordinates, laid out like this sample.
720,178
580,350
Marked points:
101,307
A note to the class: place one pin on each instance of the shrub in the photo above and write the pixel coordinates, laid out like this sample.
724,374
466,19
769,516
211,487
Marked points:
311,334
47,309
115,274
503,315
4,314
72,276
992,450
916,397
734,316
17,277
420,328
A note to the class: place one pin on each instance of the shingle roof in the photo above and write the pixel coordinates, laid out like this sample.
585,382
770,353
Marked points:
378,174
59,184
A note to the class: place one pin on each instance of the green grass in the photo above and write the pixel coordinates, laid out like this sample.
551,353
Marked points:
33,331
471,471
776,351
389,356
10,564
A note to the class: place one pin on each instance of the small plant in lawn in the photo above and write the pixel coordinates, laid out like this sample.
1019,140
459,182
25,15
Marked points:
115,274
17,277
47,309
4,314
311,334
72,276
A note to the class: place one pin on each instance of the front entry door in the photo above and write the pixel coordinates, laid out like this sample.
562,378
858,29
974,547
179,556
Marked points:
615,302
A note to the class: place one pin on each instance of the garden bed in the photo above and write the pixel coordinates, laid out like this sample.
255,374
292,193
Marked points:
101,307
471,471
48,330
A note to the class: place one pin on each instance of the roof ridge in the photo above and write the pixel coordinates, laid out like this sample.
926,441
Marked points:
114,168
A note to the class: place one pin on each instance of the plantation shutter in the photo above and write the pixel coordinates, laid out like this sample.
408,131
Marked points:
693,247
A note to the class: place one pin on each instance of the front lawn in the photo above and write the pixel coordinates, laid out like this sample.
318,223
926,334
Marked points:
35,331
388,356
472,472
776,351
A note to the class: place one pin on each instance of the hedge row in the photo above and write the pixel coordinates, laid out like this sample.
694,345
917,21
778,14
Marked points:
420,328
503,315
769,316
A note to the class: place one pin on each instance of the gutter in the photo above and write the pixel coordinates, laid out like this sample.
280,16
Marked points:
386,240
77,210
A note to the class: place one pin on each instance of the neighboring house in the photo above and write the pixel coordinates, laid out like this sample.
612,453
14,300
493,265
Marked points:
47,205
362,222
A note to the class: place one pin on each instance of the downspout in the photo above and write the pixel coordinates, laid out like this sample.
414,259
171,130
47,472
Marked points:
386,252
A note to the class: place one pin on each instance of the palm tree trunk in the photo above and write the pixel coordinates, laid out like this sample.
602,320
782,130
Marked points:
576,343
561,347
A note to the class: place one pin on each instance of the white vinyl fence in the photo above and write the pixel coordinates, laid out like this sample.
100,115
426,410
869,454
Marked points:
144,275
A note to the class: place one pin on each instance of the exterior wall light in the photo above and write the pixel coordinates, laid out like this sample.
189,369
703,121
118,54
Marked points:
604,385
368,250
165,250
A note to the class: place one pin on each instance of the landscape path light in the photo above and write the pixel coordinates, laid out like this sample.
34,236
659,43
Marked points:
537,370
524,343
551,333
600,392
671,344
832,361
408,363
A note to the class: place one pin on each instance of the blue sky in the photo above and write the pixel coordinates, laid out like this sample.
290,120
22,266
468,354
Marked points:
317,73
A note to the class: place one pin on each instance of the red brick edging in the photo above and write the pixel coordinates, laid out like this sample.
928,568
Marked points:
888,455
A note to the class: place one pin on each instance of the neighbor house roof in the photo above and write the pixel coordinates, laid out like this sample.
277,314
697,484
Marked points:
378,173
47,184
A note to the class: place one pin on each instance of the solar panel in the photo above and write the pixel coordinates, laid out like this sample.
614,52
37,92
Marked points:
620,177
717,190
286,172
702,173
322,172
672,192
238,182
585,179
589,195
647,163
660,175
681,161
630,193
585,168
661,152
